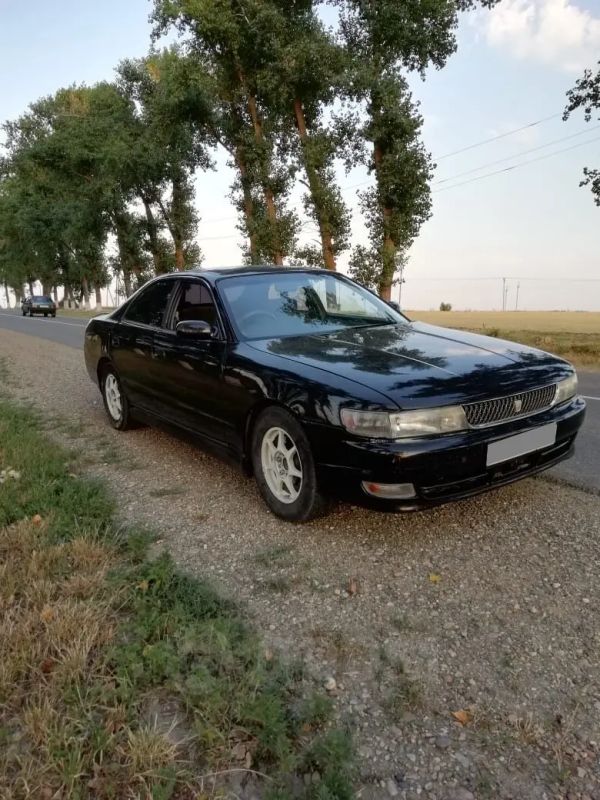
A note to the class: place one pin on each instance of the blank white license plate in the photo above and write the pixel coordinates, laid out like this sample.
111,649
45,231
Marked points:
522,443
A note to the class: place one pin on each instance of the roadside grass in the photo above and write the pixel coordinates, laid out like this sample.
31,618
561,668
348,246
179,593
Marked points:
582,349
120,676
571,335
79,313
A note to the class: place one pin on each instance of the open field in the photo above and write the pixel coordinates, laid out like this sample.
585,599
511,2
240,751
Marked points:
549,321
574,335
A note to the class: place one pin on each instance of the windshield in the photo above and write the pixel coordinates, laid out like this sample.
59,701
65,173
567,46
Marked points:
299,303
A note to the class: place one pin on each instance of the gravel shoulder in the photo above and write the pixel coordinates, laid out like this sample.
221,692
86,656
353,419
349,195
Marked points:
488,608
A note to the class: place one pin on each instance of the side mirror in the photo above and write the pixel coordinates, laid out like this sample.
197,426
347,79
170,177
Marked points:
195,328
394,305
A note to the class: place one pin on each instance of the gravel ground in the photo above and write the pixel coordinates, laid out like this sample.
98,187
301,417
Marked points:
488,608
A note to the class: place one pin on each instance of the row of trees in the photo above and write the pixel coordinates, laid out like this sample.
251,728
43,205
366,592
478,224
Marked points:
109,169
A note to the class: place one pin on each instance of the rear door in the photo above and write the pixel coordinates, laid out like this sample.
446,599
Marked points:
132,342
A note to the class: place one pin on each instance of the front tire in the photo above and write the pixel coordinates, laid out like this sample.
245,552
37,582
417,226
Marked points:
284,467
116,404
31,313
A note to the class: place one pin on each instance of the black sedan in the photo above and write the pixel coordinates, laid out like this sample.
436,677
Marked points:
38,304
316,386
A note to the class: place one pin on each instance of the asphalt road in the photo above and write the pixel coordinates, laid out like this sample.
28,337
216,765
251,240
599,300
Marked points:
582,470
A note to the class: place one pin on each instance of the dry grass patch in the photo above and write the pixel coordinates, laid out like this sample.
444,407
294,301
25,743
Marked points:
94,634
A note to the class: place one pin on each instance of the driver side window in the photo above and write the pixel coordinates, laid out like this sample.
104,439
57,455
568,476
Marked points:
195,303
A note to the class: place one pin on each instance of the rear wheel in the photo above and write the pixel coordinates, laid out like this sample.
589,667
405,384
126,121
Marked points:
284,467
115,401
45,313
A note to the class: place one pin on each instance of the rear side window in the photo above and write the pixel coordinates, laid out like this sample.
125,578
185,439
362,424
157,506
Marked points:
149,307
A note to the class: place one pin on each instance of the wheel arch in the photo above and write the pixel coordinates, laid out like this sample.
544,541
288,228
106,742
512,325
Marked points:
103,362
251,420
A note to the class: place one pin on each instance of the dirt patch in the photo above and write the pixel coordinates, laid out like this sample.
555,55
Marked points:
488,607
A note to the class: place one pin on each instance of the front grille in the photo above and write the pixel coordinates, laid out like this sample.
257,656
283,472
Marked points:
490,412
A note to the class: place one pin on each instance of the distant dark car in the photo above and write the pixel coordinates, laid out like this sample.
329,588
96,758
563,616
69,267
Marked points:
38,304
315,385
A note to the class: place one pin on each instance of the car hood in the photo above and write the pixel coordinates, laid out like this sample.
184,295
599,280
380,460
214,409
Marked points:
418,365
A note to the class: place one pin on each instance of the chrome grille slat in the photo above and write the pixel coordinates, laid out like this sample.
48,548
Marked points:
503,409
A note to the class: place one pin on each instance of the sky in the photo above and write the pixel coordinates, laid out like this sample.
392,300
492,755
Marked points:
532,225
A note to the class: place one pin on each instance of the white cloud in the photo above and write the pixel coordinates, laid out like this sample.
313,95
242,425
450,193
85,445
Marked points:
559,33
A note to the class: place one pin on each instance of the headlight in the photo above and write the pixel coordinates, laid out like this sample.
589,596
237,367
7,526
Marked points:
566,389
404,424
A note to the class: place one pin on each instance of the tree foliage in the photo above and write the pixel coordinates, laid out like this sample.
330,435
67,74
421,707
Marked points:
100,180
383,40
586,95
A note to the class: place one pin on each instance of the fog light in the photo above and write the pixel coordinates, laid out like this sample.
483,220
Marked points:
390,491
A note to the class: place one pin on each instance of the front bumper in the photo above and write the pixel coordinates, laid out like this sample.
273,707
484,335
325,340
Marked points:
441,468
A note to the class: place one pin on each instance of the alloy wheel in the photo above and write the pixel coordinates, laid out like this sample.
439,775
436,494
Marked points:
281,465
112,393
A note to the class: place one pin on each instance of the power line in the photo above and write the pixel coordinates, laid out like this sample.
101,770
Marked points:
545,279
516,166
215,238
500,136
517,155
479,177
471,146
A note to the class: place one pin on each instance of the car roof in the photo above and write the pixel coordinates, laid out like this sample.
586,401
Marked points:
213,274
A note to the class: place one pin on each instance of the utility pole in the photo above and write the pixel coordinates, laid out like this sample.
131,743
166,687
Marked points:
401,281
517,300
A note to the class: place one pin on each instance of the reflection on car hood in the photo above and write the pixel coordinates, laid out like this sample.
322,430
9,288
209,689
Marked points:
419,365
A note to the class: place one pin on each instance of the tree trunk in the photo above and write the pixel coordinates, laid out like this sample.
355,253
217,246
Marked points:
98,293
388,249
7,295
175,225
46,288
55,294
268,191
316,190
30,284
240,160
120,222
85,289
127,282
153,237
